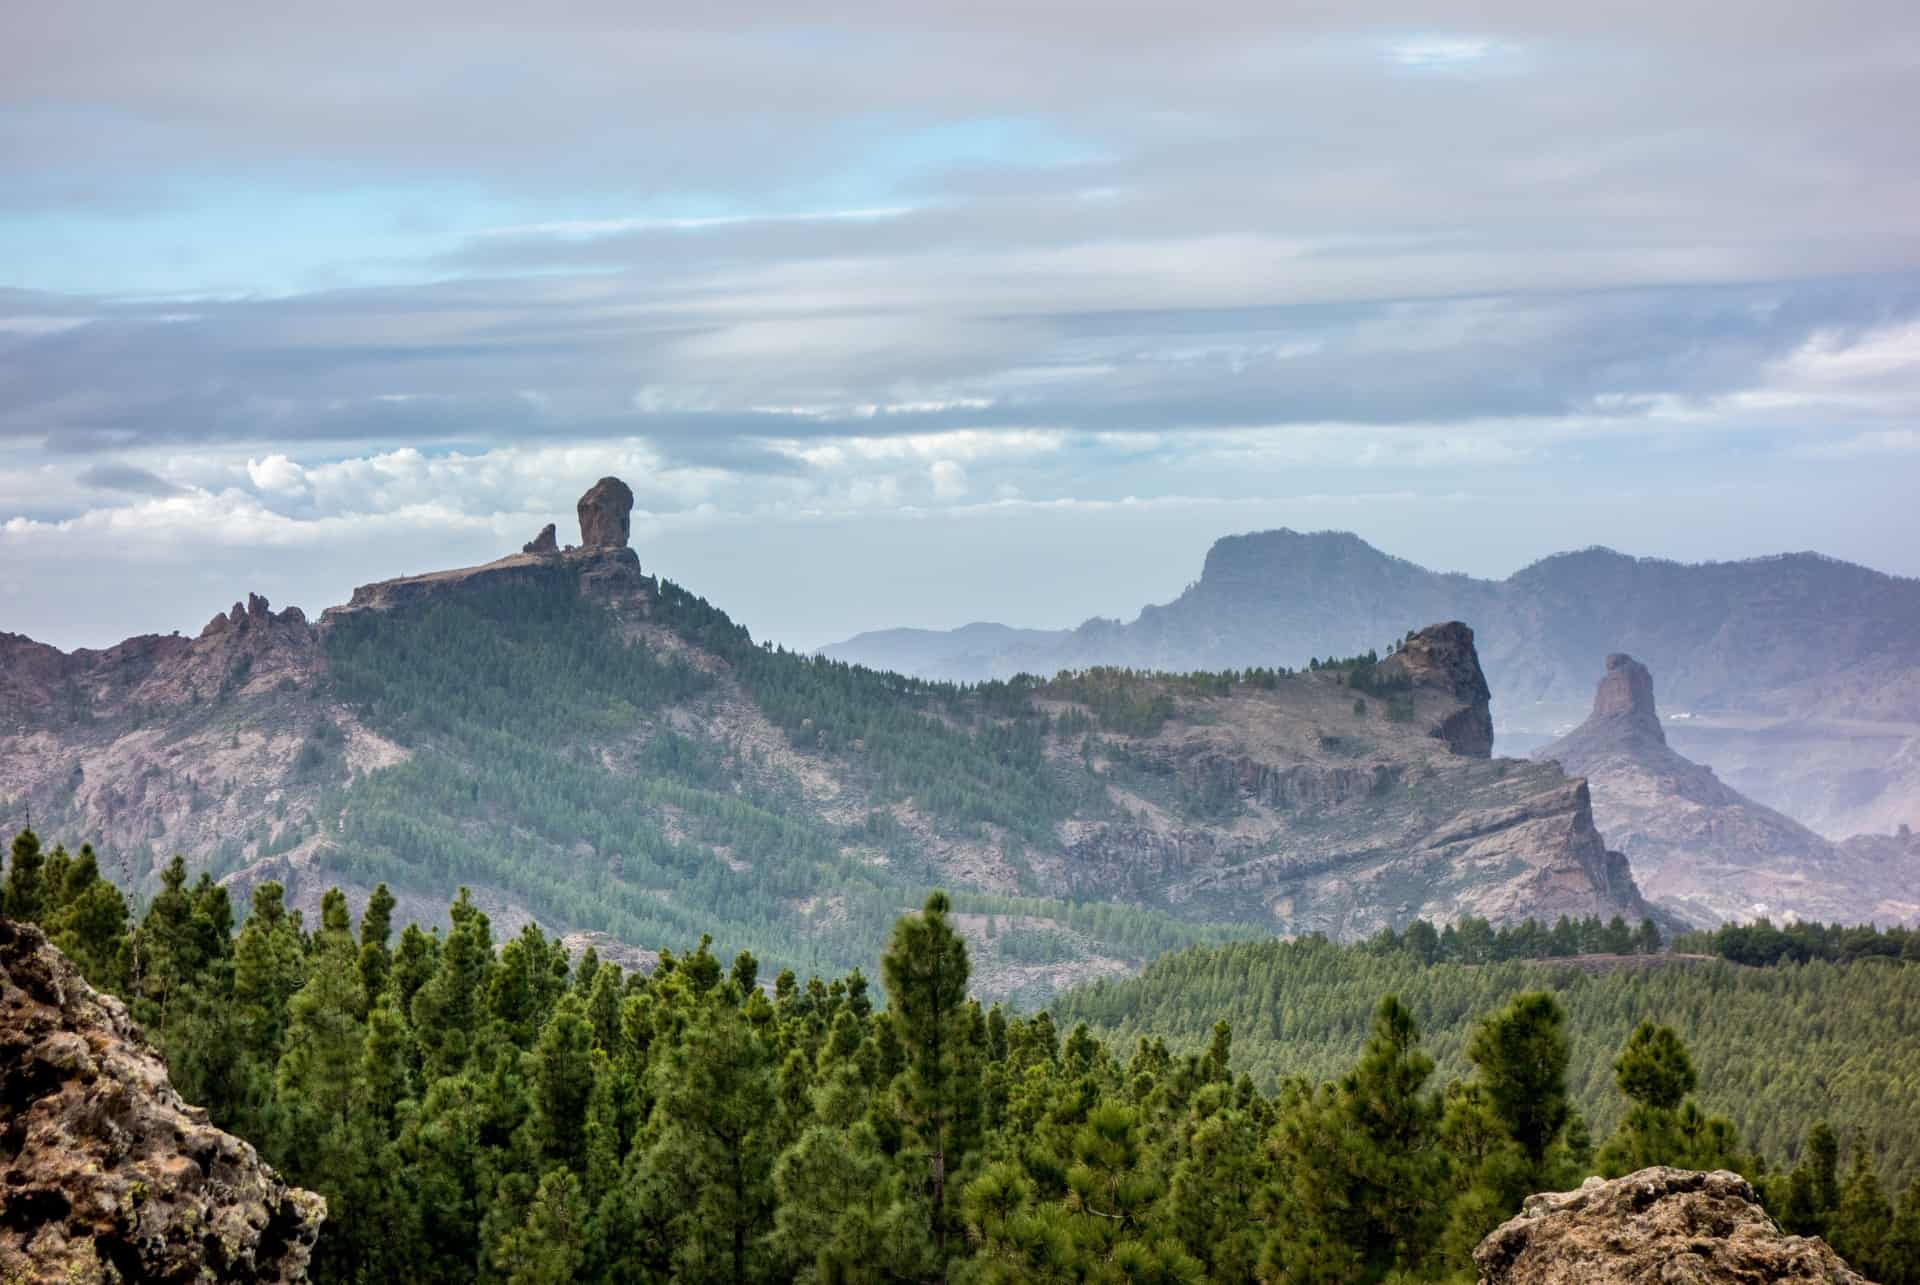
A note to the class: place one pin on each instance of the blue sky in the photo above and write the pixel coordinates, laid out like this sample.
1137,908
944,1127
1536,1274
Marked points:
920,317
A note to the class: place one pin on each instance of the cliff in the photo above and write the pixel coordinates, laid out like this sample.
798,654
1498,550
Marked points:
105,1174
1702,847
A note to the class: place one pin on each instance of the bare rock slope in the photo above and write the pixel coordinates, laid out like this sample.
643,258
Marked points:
105,1173
1671,1226
1703,848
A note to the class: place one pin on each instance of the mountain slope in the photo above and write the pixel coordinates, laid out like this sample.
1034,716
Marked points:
599,749
1703,847
1794,660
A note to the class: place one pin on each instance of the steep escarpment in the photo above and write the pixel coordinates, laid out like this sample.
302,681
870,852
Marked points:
105,1173
596,749
1671,1225
1701,846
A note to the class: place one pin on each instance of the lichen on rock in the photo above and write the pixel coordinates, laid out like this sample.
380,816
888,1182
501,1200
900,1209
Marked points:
1674,1226
106,1174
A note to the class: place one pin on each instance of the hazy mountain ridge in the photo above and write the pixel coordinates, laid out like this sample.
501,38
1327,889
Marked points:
597,748
1702,847
1763,651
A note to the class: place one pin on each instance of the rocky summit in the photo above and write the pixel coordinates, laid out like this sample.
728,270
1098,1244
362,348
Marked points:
1664,1226
105,1174
606,515
1703,849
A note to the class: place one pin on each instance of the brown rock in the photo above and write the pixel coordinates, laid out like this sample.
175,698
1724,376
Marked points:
1626,692
1671,1226
105,1173
1442,658
606,515
547,541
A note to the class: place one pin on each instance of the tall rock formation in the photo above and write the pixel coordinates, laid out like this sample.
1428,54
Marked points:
1657,1225
606,515
1443,658
105,1174
1702,848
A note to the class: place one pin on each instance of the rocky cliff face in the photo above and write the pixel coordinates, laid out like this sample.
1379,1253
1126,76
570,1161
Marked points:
606,515
1344,819
1701,847
1443,658
1667,1225
105,1174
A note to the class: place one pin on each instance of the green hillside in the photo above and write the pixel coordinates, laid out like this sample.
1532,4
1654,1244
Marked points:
1775,1047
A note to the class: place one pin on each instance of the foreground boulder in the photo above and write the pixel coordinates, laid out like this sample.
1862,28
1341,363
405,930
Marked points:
1672,1226
105,1173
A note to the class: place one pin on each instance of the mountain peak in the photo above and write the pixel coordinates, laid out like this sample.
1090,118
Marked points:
1625,695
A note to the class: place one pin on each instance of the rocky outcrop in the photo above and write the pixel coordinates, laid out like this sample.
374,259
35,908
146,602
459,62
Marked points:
1701,847
606,515
105,1173
1671,1226
1442,658
548,541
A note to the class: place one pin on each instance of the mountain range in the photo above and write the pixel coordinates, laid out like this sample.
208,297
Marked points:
585,745
1797,676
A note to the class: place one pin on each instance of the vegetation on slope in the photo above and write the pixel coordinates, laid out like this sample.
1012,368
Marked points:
1777,1047
499,1114
517,701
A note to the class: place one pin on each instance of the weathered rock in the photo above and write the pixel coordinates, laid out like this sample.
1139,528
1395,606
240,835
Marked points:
1665,1226
606,515
548,541
1442,658
1702,848
105,1173
1625,696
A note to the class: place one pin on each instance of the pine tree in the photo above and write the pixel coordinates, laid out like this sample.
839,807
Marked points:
925,973
1521,1056
24,893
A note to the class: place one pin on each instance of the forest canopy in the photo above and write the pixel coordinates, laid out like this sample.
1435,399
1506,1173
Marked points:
475,1110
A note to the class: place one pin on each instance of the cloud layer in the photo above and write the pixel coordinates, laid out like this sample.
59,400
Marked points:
919,314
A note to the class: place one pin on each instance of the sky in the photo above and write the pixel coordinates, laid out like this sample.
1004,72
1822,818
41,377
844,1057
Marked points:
924,314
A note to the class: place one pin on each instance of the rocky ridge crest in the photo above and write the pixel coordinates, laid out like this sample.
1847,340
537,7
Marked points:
105,1173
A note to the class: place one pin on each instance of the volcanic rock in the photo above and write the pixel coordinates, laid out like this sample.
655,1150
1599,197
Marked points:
1701,847
105,1173
606,515
1442,657
1659,1225
546,542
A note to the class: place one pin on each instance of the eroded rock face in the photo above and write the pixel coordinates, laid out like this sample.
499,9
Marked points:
1659,1225
547,541
105,1173
1700,847
606,515
1442,658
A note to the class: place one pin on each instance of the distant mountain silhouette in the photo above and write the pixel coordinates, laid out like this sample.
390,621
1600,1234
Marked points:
1742,648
